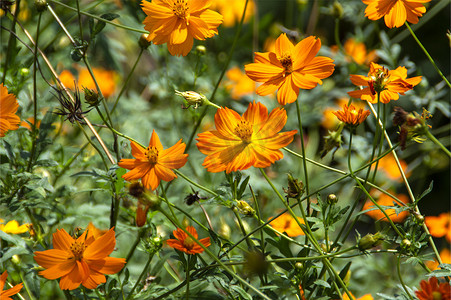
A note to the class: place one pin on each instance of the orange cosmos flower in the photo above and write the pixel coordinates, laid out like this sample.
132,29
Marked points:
356,51
395,12
106,79
13,227
286,223
232,10
8,109
79,261
185,243
445,256
433,290
154,163
239,83
5,294
385,200
364,297
380,80
177,22
440,225
329,120
388,166
290,68
351,116
244,141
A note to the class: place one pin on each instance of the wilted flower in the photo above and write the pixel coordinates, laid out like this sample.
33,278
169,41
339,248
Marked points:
395,12
244,141
8,109
383,81
71,110
351,116
5,294
295,188
412,125
79,261
177,22
193,98
154,163
290,68
185,243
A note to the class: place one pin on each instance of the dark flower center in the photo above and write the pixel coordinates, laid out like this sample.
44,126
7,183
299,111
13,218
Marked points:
152,154
244,131
287,63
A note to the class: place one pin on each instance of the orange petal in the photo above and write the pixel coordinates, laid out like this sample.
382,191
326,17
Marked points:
288,92
59,270
71,281
139,171
93,280
305,51
256,114
155,141
164,173
101,247
150,180
107,265
226,120
283,45
52,257
62,240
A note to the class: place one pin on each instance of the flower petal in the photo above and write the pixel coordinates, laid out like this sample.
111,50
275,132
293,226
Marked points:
101,247
52,257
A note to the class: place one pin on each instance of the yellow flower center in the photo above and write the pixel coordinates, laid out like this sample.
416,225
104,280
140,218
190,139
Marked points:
244,131
436,295
152,154
77,250
287,63
188,243
180,9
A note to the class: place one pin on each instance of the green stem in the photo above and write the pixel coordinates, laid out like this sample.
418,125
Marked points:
187,276
301,133
130,295
398,269
98,18
437,142
35,98
10,40
427,54
195,183
337,35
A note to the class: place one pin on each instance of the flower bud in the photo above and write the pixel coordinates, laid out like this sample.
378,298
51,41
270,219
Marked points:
192,98
15,259
24,72
405,243
295,187
141,214
245,208
332,199
201,50
91,97
136,189
419,218
224,230
370,240
299,265
337,10
143,41
185,222
41,5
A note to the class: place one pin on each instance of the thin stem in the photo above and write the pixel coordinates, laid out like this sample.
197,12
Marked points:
143,272
398,269
35,98
98,18
195,183
10,40
437,142
301,133
427,54
188,262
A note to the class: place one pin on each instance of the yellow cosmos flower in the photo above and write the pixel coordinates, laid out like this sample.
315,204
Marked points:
8,109
232,10
13,227
177,22
290,68
240,142
154,163
286,223
380,80
395,12
351,116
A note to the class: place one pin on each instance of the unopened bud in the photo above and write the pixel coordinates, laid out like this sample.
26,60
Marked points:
295,187
245,208
225,230
332,199
299,265
15,259
24,72
143,41
91,97
201,50
141,214
337,10
370,240
41,5
192,98
406,243
419,218
185,222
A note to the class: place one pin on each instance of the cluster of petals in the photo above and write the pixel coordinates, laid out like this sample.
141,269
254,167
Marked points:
351,116
8,109
387,201
178,22
240,142
83,260
290,68
440,226
286,223
183,242
389,84
5,294
432,289
395,12
153,164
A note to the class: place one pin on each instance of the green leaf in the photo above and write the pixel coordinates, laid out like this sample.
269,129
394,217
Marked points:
322,283
429,189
